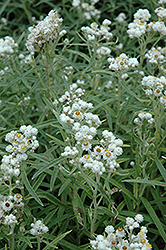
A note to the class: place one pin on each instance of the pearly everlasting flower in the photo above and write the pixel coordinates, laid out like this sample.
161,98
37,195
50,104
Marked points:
121,18
154,56
161,12
45,31
155,86
38,228
10,220
124,238
94,32
142,14
18,198
7,46
122,62
7,205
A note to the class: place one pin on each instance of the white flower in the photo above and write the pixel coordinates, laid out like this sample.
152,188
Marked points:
17,198
7,205
10,220
38,228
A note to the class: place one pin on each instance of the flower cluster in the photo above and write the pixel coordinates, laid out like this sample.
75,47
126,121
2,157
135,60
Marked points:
38,228
21,144
88,9
123,238
161,12
121,18
140,24
144,117
84,124
155,86
94,32
155,56
104,155
138,27
45,31
122,62
7,46
9,209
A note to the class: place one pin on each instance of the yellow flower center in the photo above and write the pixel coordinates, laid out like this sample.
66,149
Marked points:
98,150
154,22
141,234
124,248
156,56
85,143
120,229
164,97
118,58
108,154
147,26
148,245
22,147
87,156
15,148
94,23
29,142
143,241
158,91
113,242
154,78
18,196
77,113
121,63
18,135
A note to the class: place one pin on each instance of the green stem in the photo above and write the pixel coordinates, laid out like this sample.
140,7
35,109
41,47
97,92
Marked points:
38,243
11,242
95,204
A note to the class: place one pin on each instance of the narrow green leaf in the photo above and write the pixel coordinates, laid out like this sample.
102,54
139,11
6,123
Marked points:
122,188
56,140
64,186
161,168
53,177
29,188
148,182
45,167
24,239
51,198
70,246
80,54
5,4
154,217
54,242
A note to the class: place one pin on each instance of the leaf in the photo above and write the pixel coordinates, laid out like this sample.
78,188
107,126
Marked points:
161,168
5,4
80,54
154,217
123,189
45,167
64,186
56,140
51,198
24,239
53,178
29,187
54,242
148,182
69,245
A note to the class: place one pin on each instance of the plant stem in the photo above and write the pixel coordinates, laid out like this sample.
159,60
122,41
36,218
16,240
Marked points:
95,204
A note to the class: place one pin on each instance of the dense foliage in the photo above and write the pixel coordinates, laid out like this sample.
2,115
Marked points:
82,124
